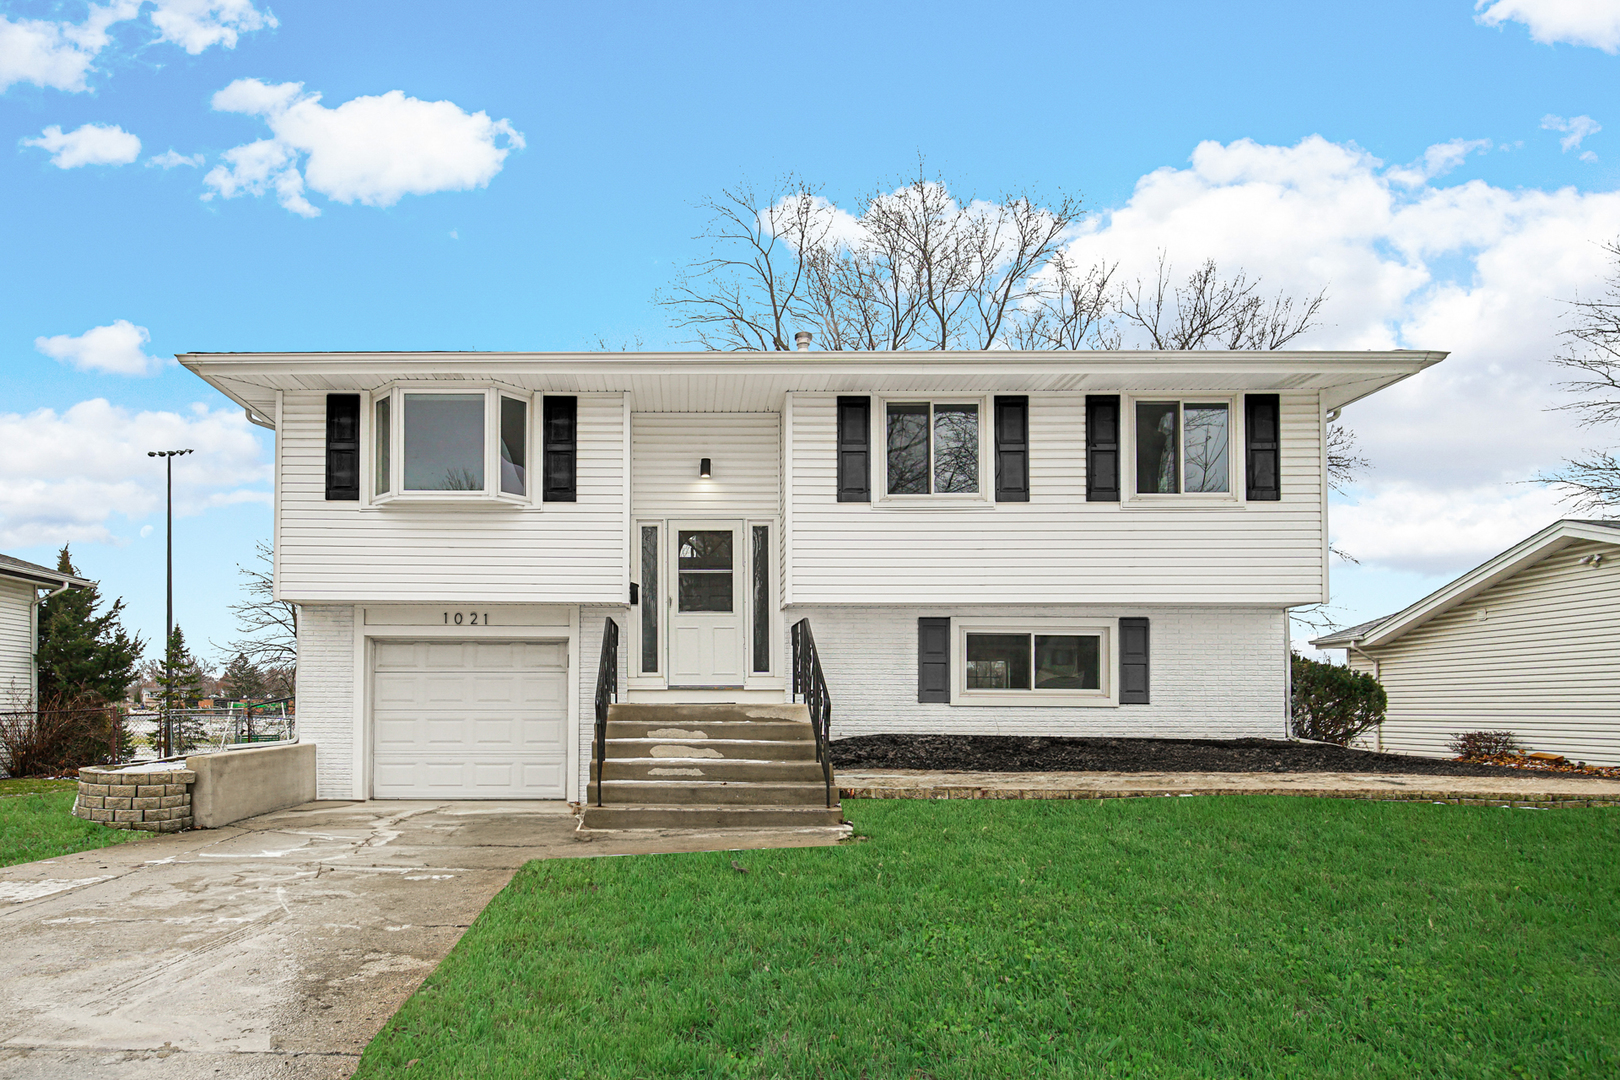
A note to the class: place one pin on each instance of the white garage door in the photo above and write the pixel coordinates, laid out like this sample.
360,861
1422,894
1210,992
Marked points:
470,719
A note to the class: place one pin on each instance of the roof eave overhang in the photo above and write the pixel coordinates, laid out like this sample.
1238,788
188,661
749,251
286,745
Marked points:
1548,541
251,379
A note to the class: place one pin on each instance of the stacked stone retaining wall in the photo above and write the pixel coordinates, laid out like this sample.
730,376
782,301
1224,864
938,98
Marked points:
145,799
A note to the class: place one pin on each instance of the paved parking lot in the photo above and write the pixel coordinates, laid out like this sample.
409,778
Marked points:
276,947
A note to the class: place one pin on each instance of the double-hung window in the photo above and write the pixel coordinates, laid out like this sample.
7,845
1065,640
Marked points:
1183,447
934,447
462,444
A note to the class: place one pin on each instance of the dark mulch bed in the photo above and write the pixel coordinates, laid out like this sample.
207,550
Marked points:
1010,753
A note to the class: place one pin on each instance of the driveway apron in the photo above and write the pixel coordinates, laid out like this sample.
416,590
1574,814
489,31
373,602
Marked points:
273,948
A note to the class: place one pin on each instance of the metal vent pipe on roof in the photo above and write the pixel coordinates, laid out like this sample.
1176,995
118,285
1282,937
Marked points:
802,340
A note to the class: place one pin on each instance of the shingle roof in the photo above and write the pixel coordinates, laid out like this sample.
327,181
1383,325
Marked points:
1349,633
44,575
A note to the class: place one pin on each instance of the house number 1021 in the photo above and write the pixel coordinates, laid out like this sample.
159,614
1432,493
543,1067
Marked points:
467,618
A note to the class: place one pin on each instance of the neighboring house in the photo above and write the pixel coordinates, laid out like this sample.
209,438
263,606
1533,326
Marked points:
22,586
1064,543
1525,643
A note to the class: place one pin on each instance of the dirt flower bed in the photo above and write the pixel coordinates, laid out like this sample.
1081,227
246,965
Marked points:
1010,753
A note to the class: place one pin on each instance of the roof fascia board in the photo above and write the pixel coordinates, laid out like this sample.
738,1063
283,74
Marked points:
46,578
1548,541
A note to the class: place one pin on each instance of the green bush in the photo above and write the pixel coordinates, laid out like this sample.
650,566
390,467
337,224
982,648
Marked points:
1333,704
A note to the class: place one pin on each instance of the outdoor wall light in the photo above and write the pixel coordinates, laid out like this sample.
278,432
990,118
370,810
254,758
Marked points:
703,469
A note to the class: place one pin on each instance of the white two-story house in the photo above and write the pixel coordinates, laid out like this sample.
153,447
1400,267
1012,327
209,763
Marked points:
1056,543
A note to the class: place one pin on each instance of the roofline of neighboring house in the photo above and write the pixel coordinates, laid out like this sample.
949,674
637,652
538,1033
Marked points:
35,574
239,375
1554,538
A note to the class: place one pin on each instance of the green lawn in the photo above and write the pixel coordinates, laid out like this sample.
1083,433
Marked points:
1201,937
36,822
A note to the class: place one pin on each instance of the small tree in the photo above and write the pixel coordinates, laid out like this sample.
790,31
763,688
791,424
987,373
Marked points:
1591,352
85,657
1332,703
178,688
268,626
242,681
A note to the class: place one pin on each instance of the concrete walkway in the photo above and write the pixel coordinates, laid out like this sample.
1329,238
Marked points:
1532,789
276,947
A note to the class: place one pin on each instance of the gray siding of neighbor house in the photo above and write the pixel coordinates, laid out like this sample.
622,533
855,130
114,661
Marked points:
1535,654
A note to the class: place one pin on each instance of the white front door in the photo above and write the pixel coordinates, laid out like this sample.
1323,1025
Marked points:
706,607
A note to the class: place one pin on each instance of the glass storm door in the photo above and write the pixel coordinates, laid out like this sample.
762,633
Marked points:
707,609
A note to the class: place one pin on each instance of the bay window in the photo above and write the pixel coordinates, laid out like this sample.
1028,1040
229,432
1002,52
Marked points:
444,444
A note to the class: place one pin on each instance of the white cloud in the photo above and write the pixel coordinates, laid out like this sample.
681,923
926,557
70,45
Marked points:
171,160
371,150
68,474
114,349
1575,129
1437,160
60,55
88,144
194,25
1470,268
1575,22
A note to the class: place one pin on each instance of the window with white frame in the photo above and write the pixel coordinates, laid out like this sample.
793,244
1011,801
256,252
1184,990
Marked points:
1010,661
933,447
461,443
1183,447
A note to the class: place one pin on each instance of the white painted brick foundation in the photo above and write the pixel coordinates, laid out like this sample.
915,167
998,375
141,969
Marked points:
327,711
1217,672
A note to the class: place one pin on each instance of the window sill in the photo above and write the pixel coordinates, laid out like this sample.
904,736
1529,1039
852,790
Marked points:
931,502
1183,502
445,502
1035,699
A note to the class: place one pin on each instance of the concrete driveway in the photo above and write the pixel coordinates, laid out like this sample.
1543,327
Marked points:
276,947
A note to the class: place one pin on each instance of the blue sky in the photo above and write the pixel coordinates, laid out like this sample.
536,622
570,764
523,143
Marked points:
1441,169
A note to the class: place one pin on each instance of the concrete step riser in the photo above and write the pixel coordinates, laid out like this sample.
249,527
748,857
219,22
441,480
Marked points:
688,714
708,817
712,749
679,771
659,793
762,730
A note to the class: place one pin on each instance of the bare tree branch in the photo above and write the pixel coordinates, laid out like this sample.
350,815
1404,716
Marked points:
1590,350
268,627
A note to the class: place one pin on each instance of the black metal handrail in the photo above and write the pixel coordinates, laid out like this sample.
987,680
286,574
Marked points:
607,692
811,684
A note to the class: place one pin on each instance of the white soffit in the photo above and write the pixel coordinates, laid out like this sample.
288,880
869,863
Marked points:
754,382
1548,541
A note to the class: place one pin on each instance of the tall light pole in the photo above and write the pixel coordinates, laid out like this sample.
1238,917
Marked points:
168,457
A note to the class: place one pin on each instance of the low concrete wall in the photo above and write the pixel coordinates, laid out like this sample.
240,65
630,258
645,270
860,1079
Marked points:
237,784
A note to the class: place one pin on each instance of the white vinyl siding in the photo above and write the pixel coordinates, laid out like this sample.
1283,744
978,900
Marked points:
1215,673
1056,548
16,643
744,450
545,553
1541,664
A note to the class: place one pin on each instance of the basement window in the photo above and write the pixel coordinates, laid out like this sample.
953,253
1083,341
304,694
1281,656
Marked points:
1019,662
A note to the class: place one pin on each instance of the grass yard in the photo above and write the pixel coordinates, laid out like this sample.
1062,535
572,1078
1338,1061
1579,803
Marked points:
1203,937
36,822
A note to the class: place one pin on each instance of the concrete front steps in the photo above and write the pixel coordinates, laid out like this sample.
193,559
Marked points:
709,766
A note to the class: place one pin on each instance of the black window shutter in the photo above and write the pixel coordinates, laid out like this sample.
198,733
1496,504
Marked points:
934,660
1133,661
559,436
343,446
1263,435
854,449
1102,448
1012,449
